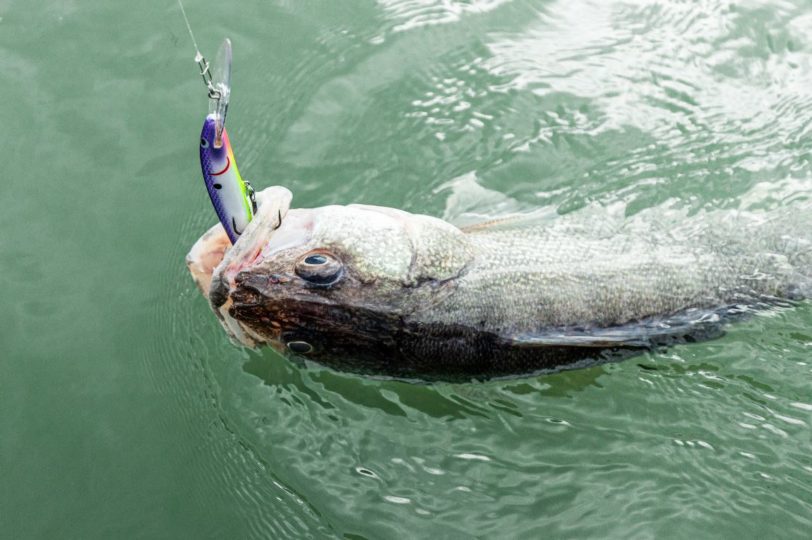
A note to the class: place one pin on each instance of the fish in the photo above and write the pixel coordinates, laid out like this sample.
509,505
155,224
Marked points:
232,197
386,292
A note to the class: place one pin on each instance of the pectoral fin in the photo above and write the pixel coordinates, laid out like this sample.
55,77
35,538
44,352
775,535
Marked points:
692,325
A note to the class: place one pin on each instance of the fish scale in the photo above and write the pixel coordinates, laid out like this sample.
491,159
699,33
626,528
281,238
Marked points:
531,278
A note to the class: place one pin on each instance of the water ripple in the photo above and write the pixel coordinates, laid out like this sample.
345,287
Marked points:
412,14
498,106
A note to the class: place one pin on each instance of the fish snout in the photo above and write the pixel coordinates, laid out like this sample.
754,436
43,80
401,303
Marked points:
258,281
254,288
253,305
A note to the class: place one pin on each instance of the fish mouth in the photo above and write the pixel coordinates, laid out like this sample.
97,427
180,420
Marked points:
214,262
244,291
270,232
228,164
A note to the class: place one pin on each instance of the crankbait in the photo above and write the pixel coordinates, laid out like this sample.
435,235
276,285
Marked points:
232,197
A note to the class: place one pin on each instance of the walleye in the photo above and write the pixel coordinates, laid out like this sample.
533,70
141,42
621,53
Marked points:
378,290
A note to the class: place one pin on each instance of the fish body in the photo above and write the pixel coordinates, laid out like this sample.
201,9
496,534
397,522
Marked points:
230,195
379,290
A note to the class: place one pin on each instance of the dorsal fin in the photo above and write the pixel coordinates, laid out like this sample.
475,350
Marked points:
536,218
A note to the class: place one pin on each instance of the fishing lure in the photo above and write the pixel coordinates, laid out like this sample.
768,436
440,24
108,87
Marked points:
232,197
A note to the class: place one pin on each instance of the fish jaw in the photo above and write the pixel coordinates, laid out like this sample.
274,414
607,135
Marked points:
213,261
206,254
243,293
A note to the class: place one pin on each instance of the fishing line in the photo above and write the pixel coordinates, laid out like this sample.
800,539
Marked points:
189,27
202,63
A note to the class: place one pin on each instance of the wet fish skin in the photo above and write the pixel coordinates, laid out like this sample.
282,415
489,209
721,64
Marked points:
420,298
565,275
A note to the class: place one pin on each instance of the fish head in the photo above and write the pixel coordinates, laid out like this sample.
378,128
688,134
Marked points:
325,277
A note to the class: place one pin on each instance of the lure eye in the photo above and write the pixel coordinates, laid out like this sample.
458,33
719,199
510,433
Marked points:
204,143
319,268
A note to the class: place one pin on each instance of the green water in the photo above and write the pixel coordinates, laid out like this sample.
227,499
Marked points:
126,413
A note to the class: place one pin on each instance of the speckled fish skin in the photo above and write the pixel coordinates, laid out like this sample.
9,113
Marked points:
414,296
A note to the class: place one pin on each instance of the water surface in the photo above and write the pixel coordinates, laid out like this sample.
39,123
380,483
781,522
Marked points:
124,410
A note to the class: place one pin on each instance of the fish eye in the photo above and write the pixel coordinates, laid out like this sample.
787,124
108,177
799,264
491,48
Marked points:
204,143
316,260
319,268
300,347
